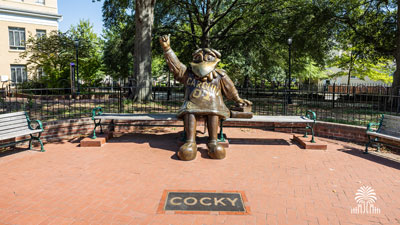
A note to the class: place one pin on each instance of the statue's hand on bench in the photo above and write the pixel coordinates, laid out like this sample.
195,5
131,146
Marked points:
244,102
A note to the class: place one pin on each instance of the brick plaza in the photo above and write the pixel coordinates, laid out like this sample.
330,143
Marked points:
123,181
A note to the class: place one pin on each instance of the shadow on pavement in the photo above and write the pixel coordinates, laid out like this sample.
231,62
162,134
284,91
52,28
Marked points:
16,150
370,157
258,141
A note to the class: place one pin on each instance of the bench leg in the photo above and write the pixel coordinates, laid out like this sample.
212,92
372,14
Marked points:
379,147
30,143
94,129
367,145
101,129
41,145
183,135
37,139
221,133
312,132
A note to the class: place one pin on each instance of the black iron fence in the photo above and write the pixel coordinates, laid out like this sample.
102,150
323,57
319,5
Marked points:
335,103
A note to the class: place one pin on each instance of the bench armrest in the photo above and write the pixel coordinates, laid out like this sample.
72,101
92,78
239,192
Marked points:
370,125
96,112
38,122
311,115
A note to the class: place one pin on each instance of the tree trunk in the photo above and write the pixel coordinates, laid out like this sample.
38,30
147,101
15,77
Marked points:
144,18
350,70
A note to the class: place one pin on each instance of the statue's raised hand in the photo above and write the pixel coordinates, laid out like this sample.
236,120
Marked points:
164,41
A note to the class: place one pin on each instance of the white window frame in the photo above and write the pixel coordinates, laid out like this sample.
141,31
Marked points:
16,38
40,33
40,73
41,2
18,74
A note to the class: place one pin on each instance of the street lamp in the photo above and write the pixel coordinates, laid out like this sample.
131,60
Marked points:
76,42
289,41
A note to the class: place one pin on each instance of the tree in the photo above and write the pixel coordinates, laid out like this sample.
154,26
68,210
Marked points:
54,52
119,50
372,28
144,18
90,52
350,64
117,12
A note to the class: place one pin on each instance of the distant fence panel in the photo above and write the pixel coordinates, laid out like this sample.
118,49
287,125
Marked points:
336,103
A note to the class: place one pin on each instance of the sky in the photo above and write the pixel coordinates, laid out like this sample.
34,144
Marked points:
74,10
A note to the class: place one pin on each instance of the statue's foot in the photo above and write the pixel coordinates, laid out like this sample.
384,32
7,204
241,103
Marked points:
215,150
188,151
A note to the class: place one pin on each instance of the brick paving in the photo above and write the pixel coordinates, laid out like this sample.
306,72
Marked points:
123,181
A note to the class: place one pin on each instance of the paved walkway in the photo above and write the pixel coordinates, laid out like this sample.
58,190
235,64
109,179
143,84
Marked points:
122,182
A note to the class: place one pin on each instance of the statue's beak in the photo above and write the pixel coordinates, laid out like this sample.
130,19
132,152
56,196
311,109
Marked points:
204,68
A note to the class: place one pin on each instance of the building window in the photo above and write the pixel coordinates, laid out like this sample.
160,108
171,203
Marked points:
40,73
17,38
40,33
40,2
18,74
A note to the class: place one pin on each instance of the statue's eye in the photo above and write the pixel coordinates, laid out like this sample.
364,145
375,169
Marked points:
197,58
209,58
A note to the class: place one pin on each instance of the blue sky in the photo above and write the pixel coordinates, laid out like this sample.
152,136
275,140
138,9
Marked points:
74,10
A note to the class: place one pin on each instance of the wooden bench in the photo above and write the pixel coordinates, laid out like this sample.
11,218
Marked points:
388,128
308,120
13,125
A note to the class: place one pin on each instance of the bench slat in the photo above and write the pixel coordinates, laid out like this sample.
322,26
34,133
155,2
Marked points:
4,129
172,117
3,120
274,119
139,117
16,129
12,122
390,126
18,134
7,115
390,137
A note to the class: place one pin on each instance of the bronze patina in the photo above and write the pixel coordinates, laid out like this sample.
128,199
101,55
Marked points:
205,87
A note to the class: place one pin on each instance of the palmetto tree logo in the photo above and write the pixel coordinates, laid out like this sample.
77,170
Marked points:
365,198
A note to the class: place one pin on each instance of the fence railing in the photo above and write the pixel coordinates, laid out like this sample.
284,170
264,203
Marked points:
344,104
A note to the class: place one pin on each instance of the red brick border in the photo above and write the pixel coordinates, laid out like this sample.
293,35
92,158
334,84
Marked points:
67,129
160,209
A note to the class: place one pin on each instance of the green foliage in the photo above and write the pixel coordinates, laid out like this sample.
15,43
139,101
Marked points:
252,35
119,49
351,64
90,52
371,29
55,51
311,72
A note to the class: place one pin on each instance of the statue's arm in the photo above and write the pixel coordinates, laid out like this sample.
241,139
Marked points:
175,66
229,90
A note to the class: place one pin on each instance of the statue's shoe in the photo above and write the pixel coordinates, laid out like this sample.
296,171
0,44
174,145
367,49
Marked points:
215,150
188,151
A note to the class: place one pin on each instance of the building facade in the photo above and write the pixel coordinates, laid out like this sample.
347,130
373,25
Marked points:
19,20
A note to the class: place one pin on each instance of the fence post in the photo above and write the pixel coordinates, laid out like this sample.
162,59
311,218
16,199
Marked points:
120,100
285,103
333,95
398,99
